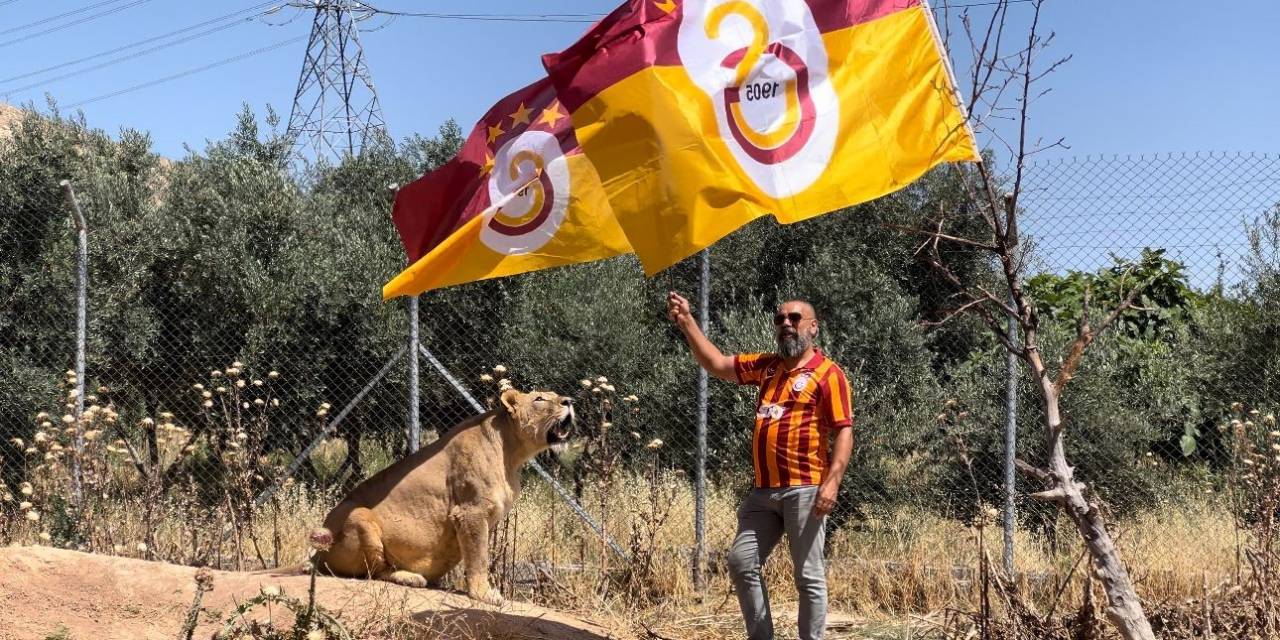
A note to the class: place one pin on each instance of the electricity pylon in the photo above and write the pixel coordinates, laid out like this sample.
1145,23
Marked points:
335,108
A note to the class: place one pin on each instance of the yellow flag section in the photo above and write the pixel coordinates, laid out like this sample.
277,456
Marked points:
520,196
702,115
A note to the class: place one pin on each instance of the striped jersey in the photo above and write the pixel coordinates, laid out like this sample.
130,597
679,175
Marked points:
796,412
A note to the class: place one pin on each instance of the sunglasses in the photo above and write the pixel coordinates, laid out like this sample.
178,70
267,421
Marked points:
795,317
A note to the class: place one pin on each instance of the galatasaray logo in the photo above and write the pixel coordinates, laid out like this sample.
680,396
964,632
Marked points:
764,66
774,411
530,179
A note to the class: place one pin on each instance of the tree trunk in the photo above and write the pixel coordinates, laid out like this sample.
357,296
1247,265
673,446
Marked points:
1124,609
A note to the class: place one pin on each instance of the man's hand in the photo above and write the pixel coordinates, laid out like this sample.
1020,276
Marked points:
707,355
826,500
840,452
678,308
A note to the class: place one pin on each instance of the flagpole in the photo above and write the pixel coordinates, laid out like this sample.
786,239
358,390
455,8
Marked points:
700,491
414,418
415,425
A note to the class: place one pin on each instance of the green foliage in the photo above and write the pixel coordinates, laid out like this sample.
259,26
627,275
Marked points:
224,255
1147,347
1242,332
220,256
1164,300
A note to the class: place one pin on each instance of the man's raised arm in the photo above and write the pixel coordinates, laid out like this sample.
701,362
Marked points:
707,354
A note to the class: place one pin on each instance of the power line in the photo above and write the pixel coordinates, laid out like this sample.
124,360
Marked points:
128,57
125,58
138,43
188,72
57,17
72,23
571,17
248,54
581,18
948,5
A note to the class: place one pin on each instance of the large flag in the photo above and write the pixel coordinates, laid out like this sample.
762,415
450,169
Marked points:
518,197
702,115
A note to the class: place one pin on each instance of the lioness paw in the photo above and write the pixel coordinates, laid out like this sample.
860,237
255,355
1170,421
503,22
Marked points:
489,597
405,578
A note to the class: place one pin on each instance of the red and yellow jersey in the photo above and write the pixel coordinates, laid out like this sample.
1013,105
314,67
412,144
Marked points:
796,411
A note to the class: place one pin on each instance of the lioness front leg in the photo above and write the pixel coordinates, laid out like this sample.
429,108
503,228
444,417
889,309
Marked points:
403,578
471,523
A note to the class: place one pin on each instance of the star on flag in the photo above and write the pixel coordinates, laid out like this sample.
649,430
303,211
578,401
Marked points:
552,115
521,115
494,132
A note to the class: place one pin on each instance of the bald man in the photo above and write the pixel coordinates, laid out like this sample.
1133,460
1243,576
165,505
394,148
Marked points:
804,400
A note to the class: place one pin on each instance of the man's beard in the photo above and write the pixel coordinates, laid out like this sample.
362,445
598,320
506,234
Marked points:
791,345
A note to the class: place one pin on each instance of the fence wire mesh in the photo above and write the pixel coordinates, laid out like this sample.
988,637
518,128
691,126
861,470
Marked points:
242,372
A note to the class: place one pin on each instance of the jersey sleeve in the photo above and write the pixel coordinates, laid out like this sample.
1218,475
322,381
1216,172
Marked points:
750,367
837,400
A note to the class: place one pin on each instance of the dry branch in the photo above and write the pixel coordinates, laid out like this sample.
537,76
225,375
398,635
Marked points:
1085,335
993,73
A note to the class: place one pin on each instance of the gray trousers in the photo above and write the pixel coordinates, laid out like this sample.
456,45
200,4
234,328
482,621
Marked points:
762,519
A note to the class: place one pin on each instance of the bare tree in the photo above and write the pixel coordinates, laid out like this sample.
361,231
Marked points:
1002,86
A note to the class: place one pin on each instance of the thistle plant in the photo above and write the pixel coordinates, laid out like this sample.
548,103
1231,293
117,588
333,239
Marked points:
154,485
236,408
310,621
649,521
1254,489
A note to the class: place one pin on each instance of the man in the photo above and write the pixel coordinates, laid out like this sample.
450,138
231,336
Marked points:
804,398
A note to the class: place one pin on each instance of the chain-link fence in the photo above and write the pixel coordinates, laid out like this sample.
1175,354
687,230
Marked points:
241,373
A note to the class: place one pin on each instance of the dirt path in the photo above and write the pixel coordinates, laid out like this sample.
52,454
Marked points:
45,590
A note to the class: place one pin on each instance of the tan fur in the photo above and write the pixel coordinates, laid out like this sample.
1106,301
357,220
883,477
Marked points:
415,520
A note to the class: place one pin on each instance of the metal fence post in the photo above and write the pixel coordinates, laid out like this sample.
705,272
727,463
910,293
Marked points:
82,314
414,434
415,426
700,488
1010,418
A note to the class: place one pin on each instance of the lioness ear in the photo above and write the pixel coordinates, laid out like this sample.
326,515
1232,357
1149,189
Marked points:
509,400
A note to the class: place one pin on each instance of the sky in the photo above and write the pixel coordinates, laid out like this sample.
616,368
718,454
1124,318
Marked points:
1144,77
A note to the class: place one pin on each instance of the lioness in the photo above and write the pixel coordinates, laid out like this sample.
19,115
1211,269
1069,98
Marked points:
413,521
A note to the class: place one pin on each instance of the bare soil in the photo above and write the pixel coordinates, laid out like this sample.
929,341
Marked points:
47,592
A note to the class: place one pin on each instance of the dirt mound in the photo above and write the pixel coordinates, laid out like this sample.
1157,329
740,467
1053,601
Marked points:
46,591
9,114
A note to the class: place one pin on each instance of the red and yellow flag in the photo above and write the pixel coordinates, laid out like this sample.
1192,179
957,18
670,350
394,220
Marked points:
702,115
519,196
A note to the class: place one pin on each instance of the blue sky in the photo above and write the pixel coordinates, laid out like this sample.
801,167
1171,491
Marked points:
1145,76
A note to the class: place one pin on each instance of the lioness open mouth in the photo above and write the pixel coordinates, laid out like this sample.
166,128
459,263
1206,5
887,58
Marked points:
558,435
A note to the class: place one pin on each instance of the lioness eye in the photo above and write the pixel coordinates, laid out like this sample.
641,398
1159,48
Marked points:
538,399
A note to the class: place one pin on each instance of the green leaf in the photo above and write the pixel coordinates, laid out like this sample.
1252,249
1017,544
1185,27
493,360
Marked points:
1188,445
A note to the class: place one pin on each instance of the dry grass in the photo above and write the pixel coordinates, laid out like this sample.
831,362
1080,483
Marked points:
885,571
910,562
